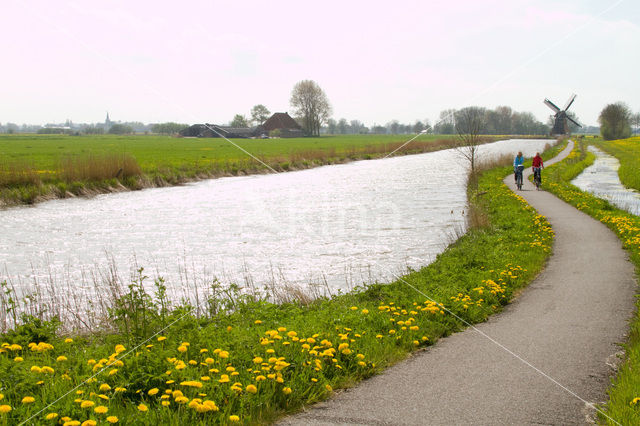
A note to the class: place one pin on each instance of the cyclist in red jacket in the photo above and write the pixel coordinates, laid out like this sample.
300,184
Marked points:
537,167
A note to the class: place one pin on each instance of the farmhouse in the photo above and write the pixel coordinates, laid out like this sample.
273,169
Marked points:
280,122
284,124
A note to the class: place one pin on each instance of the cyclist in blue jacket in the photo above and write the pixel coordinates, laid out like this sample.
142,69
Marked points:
518,165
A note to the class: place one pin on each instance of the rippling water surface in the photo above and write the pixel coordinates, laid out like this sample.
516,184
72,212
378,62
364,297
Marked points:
343,224
602,180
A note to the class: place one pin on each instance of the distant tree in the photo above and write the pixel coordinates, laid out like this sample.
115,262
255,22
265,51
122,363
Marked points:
93,130
615,121
11,128
332,126
311,106
259,114
446,125
239,120
343,126
120,129
418,126
394,127
470,123
379,130
356,127
635,121
169,128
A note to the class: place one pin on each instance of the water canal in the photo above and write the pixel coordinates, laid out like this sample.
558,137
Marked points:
339,225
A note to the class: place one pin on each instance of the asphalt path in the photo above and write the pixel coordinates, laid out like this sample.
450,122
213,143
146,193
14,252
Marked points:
547,358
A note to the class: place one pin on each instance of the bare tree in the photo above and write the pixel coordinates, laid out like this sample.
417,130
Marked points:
470,122
311,106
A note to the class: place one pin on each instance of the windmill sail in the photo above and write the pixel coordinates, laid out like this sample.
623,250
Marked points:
569,102
552,105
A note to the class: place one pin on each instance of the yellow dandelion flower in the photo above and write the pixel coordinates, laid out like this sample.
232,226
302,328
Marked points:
182,399
87,404
104,387
51,416
328,387
252,389
5,409
68,340
61,358
223,354
182,349
112,419
120,389
101,409
142,408
71,423
234,418
35,369
258,322
165,403
18,359
28,400
113,371
286,390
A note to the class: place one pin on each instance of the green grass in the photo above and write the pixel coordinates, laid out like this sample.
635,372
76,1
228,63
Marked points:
290,354
622,405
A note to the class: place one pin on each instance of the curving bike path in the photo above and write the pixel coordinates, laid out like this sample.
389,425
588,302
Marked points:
557,344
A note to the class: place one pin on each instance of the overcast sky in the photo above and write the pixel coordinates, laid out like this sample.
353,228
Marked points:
204,61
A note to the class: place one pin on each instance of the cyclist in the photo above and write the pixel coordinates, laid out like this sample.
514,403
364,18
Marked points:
537,167
518,167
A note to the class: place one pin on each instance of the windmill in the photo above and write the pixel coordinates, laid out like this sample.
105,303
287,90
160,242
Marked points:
560,125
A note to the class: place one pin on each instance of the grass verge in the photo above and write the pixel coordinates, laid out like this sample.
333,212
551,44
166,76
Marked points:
624,393
252,361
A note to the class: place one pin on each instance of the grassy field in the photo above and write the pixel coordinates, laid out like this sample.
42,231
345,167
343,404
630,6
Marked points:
33,167
624,394
248,360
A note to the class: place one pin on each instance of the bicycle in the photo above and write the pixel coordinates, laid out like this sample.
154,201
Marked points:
537,177
518,171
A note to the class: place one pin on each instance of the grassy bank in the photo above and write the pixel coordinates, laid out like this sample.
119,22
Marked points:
249,360
624,394
37,167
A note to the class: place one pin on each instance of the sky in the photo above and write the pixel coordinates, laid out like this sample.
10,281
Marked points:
205,61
